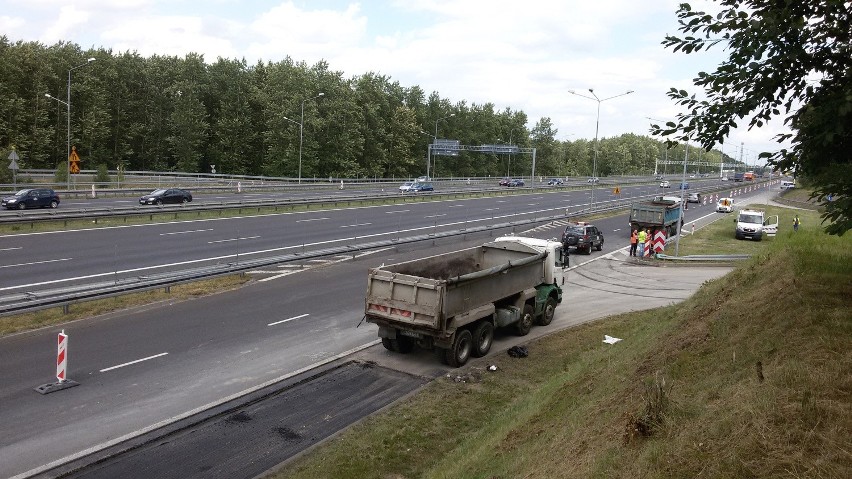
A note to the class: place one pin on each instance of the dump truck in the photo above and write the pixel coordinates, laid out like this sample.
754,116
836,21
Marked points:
452,303
661,213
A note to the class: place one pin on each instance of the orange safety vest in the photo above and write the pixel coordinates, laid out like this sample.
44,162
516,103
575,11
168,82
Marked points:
634,237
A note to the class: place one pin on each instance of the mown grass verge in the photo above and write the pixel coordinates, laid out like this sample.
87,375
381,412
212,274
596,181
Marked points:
748,378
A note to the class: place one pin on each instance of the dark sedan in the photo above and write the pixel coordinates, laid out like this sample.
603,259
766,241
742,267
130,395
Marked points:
166,196
32,198
515,183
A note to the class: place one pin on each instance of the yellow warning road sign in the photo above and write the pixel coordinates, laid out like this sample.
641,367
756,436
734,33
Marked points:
74,159
616,191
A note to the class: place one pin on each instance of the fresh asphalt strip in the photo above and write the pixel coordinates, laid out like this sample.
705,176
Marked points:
251,435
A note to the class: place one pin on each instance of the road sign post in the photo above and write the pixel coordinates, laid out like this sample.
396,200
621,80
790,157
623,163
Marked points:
62,381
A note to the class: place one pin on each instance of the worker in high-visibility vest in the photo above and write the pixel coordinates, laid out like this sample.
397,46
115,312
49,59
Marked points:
634,238
642,237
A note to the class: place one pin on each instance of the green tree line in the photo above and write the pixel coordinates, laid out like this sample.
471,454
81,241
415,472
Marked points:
165,113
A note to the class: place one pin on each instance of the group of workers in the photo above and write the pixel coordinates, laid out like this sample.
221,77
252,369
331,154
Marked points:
641,239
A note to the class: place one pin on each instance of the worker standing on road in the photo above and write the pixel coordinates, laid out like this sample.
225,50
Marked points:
634,238
641,237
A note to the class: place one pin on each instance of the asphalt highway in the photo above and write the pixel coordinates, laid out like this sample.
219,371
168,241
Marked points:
145,368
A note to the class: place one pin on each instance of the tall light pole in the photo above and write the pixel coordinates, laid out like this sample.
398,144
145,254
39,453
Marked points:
67,104
597,125
509,163
431,150
301,130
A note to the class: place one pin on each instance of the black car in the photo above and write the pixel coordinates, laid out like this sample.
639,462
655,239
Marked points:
515,183
554,182
166,196
582,237
32,198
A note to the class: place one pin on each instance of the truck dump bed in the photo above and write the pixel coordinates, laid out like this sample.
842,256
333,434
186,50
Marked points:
423,293
650,214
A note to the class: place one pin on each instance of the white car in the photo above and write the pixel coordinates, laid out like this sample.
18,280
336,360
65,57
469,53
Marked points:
593,179
665,184
725,205
787,185
407,186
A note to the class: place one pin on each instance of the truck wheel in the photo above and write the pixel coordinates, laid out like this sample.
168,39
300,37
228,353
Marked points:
483,337
549,311
389,344
460,351
404,344
523,326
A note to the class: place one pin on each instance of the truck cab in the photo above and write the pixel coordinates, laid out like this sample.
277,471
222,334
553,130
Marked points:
557,256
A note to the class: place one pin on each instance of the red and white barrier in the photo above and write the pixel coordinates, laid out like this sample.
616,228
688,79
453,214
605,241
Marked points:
61,356
659,241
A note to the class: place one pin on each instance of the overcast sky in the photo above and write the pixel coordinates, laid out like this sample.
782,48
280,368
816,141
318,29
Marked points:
524,55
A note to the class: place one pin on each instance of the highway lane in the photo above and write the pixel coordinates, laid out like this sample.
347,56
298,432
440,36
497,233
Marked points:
146,366
43,260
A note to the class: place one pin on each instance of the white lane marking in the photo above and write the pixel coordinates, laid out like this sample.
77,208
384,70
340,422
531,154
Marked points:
454,206
501,201
532,204
288,319
185,232
491,209
10,249
436,216
132,362
233,239
355,225
396,211
340,259
312,219
36,262
179,417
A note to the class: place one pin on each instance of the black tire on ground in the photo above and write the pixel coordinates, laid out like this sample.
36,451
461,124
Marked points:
460,351
523,326
404,344
549,310
185,200
483,338
54,204
159,203
600,246
590,248
22,206
389,344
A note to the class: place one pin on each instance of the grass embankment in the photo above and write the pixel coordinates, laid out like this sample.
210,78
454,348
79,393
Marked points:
748,378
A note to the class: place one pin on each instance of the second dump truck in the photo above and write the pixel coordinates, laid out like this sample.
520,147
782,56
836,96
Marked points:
452,302
662,213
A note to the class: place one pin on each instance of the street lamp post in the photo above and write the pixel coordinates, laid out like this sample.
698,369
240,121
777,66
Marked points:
597,125
509,163
67,104
435,141
301,130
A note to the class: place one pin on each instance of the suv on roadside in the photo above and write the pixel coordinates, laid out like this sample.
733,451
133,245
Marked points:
582,237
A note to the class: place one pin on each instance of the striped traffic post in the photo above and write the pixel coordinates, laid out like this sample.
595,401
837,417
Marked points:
62,381
61,356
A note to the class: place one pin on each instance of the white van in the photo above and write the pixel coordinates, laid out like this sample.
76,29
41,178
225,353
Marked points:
787,185
753,224
725,205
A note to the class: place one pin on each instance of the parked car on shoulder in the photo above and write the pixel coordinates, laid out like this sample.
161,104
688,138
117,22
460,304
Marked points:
693,198
517,182
582,236
166,196
32,198
725,205
665,184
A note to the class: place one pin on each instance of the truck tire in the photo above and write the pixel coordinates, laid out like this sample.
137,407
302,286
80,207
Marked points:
549,310
523,326
459,352
399,345
483,338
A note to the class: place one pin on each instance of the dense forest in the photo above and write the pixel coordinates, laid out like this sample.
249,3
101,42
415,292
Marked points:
165,113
